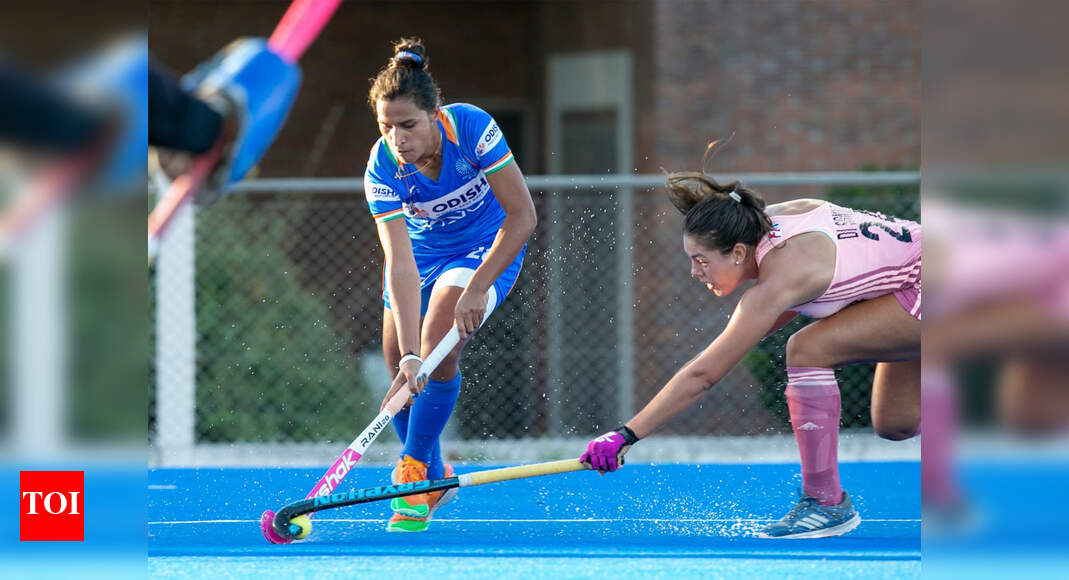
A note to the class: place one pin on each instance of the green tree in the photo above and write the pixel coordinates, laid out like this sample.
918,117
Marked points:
270,366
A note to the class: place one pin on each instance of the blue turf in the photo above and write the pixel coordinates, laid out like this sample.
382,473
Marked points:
660,519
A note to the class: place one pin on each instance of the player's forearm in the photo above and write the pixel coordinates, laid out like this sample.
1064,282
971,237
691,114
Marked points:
683,391
514,233
402,281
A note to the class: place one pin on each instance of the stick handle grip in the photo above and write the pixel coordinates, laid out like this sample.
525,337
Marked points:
520,472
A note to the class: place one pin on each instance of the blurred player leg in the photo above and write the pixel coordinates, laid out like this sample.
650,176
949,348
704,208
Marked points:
1033,395
896,399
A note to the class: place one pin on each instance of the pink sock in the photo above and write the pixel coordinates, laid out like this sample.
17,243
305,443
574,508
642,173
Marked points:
813,400
939,422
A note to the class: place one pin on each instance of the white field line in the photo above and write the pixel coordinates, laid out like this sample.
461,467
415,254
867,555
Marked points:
566,520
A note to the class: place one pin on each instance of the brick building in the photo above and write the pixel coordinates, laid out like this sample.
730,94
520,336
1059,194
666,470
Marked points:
807,85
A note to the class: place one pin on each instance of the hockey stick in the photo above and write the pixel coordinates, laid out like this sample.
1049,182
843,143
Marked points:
46,191
299,26
358,447
282,526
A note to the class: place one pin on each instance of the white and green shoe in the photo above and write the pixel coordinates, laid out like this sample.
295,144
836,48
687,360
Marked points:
413,513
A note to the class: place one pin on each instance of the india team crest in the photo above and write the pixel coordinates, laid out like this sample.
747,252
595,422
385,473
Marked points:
465,169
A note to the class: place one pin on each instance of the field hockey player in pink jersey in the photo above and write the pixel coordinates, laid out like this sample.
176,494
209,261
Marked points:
858,273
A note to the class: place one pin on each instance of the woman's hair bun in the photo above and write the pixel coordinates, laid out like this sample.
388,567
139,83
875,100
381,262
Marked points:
409,53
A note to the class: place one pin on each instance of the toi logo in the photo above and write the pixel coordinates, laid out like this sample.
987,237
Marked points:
51,506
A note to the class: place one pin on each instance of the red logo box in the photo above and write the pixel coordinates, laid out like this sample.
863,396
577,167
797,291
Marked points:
52,506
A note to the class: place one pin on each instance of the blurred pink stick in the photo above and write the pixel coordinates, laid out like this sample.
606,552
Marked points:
300,25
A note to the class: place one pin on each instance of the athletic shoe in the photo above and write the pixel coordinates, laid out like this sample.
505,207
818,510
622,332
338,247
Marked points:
809,519
413,513
950,519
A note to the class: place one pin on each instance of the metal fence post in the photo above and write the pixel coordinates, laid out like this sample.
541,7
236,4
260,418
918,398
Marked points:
176,339
555,326
625,303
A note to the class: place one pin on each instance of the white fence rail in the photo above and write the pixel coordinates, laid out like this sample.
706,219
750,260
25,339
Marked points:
644,181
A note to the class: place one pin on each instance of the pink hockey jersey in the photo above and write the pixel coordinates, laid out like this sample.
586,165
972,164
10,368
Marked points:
874,255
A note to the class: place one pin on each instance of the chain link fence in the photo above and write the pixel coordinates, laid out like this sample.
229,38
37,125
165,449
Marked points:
288,323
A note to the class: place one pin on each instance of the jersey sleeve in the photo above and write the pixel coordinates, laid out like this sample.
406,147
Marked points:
383,199
485,139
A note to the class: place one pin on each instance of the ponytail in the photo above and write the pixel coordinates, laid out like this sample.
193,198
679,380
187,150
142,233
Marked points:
719,216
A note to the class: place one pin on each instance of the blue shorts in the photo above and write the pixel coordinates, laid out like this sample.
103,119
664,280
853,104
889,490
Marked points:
432,267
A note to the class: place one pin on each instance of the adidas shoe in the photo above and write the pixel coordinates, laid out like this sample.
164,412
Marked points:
809,519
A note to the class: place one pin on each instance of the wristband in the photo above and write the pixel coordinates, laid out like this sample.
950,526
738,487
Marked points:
629,436
408,357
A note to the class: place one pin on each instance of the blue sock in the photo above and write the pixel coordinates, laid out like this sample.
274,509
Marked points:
427,419
400,424
435,467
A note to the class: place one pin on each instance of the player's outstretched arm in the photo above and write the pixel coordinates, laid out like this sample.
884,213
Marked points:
783,283
755,314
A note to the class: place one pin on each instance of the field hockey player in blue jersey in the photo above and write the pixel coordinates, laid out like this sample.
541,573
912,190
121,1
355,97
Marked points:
453,215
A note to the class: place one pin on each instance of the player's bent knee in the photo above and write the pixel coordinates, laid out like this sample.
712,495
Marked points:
896,432
802,351
448,369
900,435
